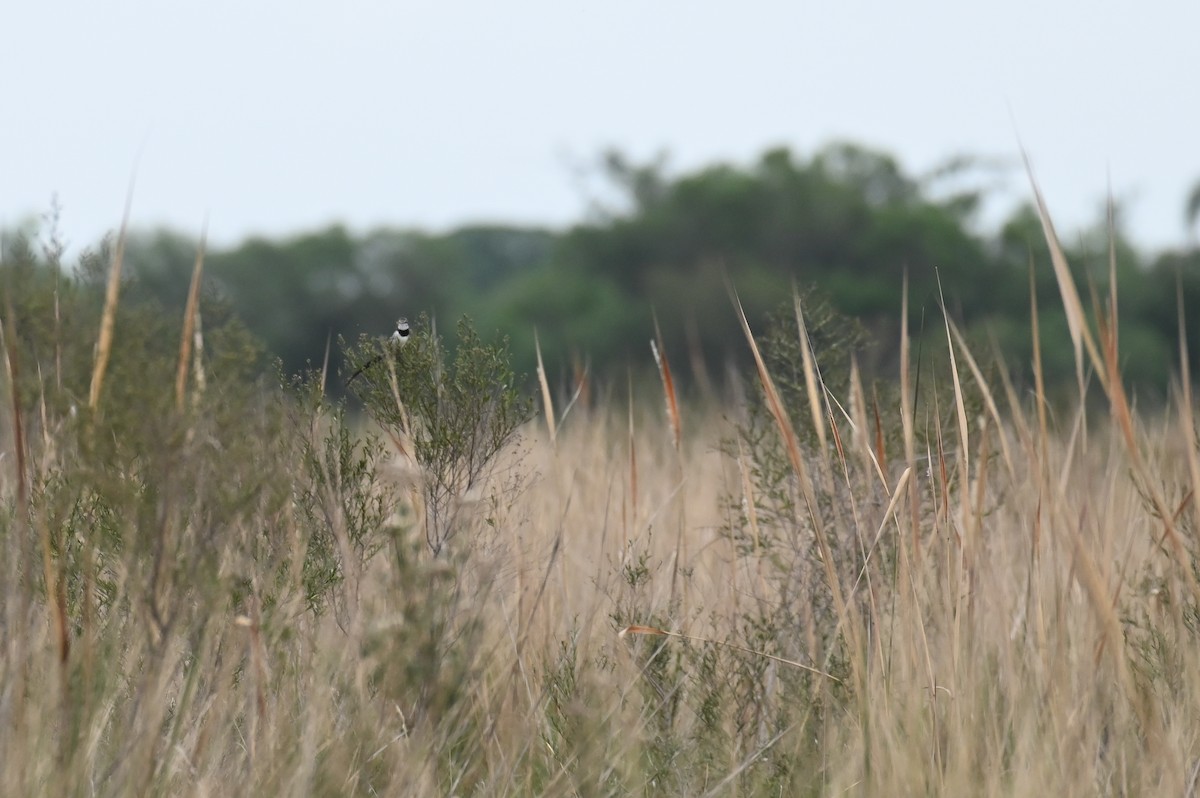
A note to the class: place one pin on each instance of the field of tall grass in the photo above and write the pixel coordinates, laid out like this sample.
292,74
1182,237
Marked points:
217,585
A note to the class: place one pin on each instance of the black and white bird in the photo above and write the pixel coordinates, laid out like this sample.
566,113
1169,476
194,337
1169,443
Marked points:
399,338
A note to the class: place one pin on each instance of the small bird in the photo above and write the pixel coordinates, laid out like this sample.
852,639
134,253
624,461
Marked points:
399,338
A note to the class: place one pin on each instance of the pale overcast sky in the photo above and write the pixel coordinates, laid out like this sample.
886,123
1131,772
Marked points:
275,117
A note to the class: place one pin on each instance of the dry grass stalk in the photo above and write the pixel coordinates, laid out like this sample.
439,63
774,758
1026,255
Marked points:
324,378
857,420
581,374
1017,413
988,400
1039,378
1184,400
907,421
676,422
198,360
633,474
672,400
1077,324
906,397
108,318
1112,262
811,372
880,449
58,338
831,402
965,530
775,405
896,493
960,407
189,323
858,413
943,475
981,478
401,410
581,394
547,402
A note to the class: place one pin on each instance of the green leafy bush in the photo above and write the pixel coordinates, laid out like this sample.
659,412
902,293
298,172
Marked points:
454,413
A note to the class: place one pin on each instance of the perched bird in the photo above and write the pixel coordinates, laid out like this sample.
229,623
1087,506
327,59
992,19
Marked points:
399,338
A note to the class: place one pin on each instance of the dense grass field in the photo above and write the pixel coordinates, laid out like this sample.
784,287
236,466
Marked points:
216,586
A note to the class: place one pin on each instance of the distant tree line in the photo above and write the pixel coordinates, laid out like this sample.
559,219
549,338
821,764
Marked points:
847,224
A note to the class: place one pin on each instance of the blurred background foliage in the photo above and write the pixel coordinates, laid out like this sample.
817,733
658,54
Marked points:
847,223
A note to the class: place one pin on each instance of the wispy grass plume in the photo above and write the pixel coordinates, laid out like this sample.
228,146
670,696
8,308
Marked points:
672,399
189,324
108,318
547,402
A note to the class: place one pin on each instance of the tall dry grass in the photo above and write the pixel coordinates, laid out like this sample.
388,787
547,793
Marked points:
1004,605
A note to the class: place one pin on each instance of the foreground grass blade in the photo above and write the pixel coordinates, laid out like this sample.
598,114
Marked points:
1081,334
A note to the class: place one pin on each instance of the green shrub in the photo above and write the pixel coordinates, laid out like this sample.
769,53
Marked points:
454,415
